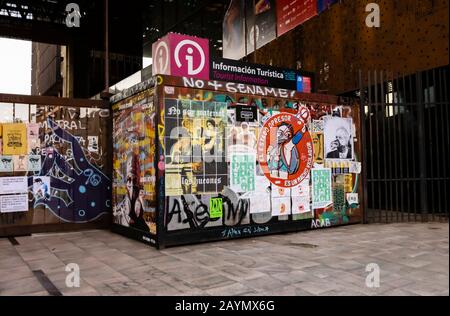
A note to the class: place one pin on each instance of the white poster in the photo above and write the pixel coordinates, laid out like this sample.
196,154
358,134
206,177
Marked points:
281,206
338,138
41,187
302,190
14,203
352,198
93,144
355,167
279,192
300,205
34,163
13,185
260,199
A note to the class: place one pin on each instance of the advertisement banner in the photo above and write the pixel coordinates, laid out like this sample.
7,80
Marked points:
262,20
234,71
290,14
323,5
233,31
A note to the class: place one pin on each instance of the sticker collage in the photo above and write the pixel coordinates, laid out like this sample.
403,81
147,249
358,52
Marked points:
234,159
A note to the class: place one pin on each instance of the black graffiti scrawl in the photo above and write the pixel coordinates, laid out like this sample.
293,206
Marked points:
80,192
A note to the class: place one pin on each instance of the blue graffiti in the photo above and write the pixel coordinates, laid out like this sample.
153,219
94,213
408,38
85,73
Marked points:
79,191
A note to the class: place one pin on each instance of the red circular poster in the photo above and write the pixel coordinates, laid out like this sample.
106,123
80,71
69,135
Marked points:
285,150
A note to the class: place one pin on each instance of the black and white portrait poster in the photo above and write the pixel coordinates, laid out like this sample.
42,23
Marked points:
338,138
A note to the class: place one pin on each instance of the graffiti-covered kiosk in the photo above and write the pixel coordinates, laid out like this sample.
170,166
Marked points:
198,160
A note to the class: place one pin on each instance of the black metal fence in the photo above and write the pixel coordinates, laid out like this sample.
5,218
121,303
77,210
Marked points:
406,145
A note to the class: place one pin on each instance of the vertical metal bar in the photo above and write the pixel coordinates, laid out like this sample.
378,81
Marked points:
422,147
384,119
431,142
372,175
443,101
413,105
405,140
399,153
445,105
364,151
394,159
439,146
377,118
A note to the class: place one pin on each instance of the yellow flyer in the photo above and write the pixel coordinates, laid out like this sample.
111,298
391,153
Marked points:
15,139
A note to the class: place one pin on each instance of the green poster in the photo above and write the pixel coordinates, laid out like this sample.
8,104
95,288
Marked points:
243,172
321,188
215,208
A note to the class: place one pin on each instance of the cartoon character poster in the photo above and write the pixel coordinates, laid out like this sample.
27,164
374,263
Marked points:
6,164
15,139
285,150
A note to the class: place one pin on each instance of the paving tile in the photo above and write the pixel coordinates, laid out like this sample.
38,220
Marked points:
413,260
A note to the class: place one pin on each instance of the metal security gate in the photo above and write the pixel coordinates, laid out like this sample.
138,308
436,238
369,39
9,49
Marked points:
406,146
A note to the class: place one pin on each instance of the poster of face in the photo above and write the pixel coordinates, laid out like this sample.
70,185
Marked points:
21,163
41,188
285,150
195,147
242,138
6,164
338,138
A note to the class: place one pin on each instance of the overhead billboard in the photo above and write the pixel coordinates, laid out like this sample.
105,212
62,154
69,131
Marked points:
291,14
